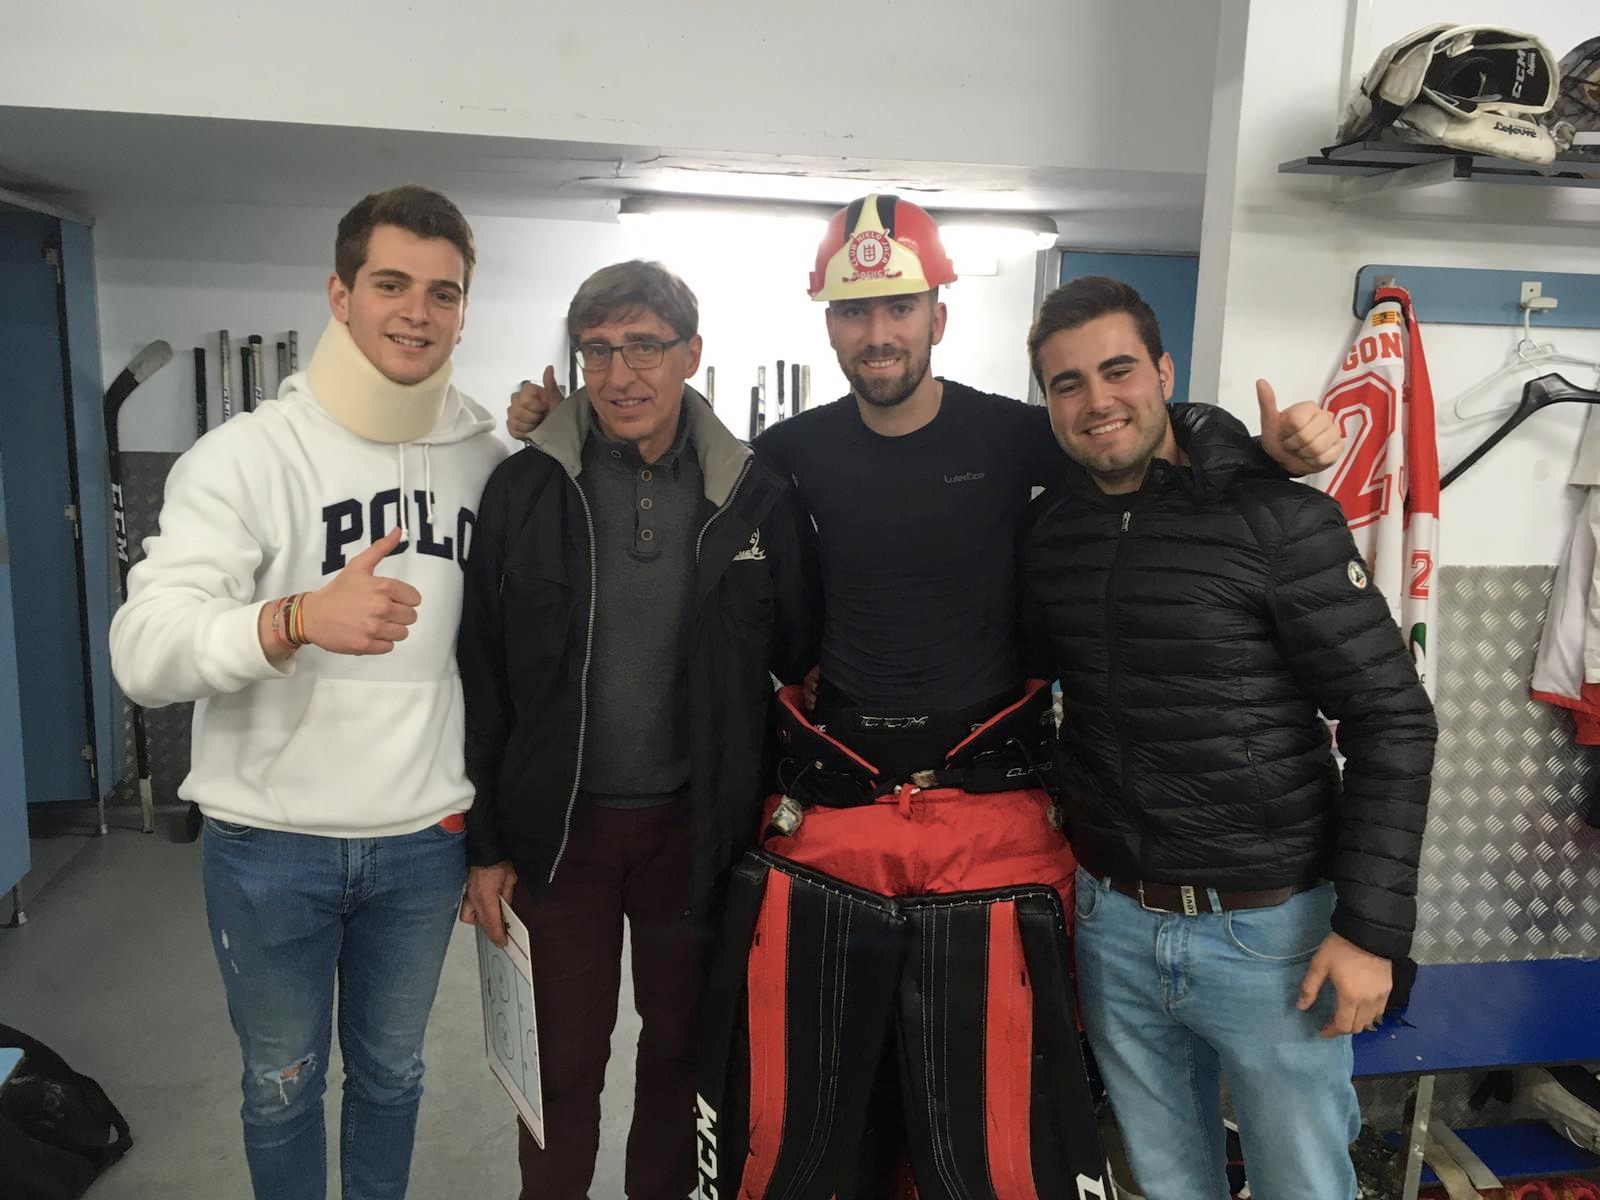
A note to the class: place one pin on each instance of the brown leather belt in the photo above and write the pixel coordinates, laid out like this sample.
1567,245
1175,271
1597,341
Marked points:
1181,898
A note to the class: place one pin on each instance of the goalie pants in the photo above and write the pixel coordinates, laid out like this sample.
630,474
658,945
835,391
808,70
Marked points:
933,917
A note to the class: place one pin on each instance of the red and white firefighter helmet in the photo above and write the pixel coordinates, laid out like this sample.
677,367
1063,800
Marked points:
879,245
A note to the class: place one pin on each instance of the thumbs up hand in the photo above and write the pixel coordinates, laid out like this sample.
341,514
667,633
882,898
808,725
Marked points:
531,403
1303,439
358,612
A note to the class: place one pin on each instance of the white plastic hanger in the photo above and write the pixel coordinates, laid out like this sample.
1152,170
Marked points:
1526,355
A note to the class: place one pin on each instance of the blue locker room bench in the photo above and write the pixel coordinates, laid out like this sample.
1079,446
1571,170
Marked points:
1482,1017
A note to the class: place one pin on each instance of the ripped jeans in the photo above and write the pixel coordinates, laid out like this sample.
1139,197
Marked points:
290,912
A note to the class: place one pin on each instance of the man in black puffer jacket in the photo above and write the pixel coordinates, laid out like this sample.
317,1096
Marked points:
1237,901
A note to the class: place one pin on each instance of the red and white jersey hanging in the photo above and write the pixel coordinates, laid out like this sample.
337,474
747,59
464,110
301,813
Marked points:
1387,480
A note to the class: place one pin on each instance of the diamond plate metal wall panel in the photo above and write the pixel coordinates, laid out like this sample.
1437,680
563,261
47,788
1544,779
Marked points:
1509,868
144,477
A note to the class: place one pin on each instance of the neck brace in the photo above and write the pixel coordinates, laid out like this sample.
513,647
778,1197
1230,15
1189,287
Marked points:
364,400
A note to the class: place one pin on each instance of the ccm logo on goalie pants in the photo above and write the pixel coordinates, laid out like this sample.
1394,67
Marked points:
705,1139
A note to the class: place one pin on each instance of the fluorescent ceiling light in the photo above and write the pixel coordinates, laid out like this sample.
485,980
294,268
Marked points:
1001,239
715,208
976,235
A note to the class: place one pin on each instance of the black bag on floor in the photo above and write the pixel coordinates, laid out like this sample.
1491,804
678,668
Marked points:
58,1130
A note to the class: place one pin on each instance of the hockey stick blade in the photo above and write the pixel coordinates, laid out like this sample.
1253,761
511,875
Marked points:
145,364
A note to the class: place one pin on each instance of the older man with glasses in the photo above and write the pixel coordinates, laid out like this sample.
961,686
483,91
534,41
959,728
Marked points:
634,578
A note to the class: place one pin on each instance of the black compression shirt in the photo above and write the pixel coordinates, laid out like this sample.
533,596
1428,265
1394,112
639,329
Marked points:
917,542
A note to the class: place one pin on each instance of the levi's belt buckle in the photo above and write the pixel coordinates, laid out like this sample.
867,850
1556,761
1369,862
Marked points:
1191,907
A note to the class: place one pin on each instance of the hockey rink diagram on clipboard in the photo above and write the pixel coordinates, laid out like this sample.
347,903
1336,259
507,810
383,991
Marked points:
510,1027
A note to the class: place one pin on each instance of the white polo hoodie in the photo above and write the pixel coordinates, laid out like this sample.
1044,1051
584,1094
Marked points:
278,501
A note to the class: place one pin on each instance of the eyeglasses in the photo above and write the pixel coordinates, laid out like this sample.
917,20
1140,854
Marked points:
641,353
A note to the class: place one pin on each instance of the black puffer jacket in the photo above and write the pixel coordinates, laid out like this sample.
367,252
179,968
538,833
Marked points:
525,642
1197,626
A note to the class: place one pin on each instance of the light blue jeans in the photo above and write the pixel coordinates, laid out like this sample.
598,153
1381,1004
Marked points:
289,912
1174,1004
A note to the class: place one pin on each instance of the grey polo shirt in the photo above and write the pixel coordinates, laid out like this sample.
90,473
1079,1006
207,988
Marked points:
636,751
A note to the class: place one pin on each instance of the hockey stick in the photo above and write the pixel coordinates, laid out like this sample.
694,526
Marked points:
283,363
245,390
145,364
294,351
779,417
191,813
257,373
200,415
225,372
794,387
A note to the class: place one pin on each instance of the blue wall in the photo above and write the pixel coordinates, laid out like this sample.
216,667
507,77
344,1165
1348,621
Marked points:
1167,282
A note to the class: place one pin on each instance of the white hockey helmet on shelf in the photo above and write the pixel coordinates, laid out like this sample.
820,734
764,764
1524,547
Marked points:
1473,88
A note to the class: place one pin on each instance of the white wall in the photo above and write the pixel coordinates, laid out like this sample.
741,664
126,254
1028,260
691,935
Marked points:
1014,81
1279,256
181,272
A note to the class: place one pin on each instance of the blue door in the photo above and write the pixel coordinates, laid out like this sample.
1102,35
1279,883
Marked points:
1166,281
41,526
82,324
13,787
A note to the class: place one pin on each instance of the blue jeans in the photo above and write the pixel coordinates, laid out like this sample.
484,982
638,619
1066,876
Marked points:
290,912
1173,1004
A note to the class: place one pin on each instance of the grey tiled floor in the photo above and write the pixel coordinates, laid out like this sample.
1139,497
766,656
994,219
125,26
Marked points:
114,969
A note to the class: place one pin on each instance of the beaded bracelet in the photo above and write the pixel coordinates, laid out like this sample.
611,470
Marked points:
278,633
288,622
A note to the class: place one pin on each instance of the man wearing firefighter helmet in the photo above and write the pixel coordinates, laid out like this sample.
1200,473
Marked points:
913,875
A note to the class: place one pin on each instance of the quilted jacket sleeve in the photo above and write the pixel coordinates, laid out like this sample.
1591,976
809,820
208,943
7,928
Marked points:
1346,652
481,656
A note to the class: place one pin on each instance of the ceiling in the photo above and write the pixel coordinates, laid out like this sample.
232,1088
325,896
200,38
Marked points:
82,159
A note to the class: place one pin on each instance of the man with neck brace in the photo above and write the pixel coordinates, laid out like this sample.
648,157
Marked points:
304,590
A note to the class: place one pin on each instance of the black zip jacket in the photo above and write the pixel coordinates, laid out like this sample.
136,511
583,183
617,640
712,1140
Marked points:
1197,626
525,642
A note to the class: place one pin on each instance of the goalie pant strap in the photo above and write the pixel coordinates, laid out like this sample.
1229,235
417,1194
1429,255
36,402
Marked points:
1008,751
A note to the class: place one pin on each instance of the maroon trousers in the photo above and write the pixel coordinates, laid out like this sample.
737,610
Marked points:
631,863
